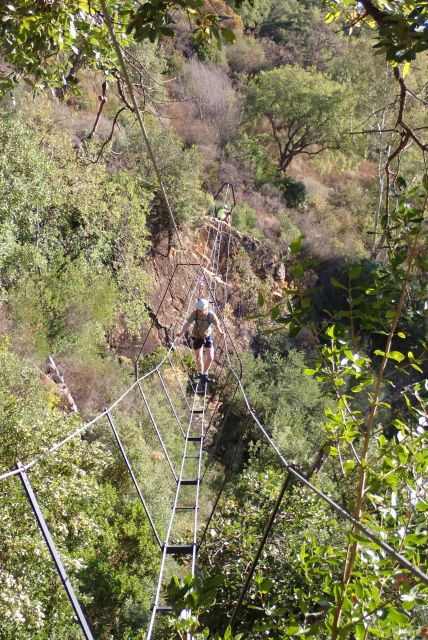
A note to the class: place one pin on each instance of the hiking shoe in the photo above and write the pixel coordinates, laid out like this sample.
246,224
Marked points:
203,378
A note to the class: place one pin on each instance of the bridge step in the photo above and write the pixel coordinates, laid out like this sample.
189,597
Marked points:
189,482
186,507
194,438
164,608
179,549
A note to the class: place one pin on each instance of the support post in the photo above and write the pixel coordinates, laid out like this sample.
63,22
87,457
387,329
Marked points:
54,552
263,541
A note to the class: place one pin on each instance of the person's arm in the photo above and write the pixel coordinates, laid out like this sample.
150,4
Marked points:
217,326
186,325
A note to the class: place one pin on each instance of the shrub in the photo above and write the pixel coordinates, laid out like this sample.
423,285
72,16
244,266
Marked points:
246,56
244,218
212,95
294,192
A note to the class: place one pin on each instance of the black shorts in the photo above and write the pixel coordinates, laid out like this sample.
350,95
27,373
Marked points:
206,342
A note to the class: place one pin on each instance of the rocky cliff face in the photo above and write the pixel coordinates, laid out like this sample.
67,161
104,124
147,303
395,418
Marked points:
245,266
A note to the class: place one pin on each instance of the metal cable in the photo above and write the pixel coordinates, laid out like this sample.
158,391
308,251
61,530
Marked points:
268,527
170,402
137,111
86,425
227,475
158,433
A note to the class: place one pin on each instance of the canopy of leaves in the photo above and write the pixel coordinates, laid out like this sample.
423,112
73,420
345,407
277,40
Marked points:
402,27
304,111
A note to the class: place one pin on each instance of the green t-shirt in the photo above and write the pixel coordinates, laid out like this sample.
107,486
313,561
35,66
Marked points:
202,328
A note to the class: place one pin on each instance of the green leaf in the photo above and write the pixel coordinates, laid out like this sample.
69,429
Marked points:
355,271
401,183
338,284
260,299
331,331
275,311
397,617
332,451
228,35
396,355
298,271
349,466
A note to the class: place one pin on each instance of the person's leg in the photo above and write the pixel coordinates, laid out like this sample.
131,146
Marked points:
199,358
208,355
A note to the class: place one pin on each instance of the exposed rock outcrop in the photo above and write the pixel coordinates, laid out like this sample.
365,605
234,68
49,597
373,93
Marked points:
173,275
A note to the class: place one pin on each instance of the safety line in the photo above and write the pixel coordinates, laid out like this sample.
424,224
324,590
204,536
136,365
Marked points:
158,433
153,321
178,381
86,425
266,532
54,552
226,478
134,479
137,112
170,402
367,532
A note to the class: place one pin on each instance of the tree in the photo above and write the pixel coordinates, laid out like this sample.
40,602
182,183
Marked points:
305,111
401,26
48,42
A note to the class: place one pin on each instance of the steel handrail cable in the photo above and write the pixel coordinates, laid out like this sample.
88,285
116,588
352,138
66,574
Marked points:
157,431
178,382
162,381
302,479
117,48
225,479
207,244
217,244
153,320
86,425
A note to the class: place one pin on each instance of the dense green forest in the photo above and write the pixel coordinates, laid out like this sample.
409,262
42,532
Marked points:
119,122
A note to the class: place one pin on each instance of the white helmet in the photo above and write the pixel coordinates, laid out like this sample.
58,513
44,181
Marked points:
203,304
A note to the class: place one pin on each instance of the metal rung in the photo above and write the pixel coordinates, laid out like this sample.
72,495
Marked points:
198,411
179,549
189,482
186,507
163,608
194,438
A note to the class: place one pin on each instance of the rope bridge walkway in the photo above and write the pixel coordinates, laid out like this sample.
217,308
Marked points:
194,409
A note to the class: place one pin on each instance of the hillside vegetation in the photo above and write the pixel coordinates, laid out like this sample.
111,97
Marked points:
316,113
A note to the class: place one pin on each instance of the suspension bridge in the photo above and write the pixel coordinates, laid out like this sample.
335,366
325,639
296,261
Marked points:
202,418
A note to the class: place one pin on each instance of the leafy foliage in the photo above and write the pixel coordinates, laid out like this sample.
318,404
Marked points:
304,111
73,34
401,27
64,222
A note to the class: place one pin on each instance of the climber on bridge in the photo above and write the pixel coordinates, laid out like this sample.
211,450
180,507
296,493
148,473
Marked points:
204,321
223,213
